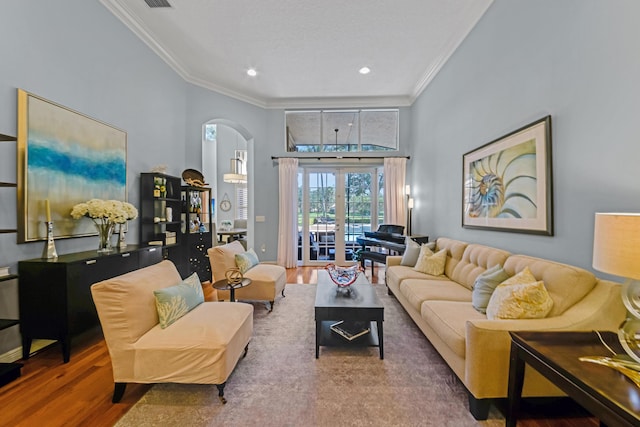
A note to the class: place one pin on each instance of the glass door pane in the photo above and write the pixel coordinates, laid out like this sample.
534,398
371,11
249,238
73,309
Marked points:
321,215
336,206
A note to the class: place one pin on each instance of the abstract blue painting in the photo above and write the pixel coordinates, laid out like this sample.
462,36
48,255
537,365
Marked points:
67,158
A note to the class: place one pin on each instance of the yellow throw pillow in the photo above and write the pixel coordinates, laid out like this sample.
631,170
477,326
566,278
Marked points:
525,276
519,301
431,263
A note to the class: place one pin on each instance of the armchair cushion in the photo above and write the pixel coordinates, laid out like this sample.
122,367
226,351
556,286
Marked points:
222,258
175,301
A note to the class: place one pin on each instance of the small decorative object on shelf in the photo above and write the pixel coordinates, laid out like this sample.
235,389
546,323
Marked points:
49,250
343,276
159,187
105,214
4,271
193,177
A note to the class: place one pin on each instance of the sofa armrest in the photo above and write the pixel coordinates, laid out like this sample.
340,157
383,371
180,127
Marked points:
488,343
393,260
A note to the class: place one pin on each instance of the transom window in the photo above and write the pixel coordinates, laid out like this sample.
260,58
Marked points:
341,130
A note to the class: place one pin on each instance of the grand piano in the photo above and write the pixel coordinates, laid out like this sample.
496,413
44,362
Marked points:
387,240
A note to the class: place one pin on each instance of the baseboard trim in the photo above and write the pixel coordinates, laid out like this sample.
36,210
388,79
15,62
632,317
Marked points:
16,354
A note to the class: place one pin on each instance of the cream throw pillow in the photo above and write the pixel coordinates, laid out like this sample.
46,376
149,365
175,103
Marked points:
520,297
431,263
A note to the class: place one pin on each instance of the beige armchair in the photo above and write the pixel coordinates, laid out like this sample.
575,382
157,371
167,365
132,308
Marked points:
267,280
201,347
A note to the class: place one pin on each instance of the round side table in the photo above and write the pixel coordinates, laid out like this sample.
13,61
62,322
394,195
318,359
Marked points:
224,285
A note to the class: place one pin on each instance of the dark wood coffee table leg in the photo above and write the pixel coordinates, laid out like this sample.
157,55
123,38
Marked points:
318,332
380,339
516,379
232,294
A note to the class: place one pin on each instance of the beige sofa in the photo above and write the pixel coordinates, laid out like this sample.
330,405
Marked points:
201,347
476,348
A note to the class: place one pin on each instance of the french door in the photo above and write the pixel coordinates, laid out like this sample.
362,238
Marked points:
336,205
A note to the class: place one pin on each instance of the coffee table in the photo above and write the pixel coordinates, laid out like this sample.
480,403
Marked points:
360,303
224,285
604,392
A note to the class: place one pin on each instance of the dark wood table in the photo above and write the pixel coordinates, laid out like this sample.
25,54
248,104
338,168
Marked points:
360,303
603,391
224,285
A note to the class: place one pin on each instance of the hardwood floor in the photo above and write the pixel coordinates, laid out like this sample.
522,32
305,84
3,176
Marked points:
51,393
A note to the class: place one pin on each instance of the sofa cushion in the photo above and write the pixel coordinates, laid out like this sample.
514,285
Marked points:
431,263
475,260
448,319
455,250
417,291
565,284
246,260
175,301
398,273
484,286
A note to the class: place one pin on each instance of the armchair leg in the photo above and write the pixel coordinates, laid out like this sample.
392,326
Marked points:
283,295
118,392
271,306
246,349
221,392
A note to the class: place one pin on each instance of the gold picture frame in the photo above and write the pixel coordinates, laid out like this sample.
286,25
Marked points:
64,158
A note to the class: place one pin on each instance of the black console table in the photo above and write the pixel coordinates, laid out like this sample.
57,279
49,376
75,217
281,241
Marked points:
55,294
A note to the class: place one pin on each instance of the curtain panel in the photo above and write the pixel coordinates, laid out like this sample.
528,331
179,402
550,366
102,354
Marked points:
288,210
394,183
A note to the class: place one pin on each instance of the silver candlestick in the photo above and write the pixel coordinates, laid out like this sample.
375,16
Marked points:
122,240
49,250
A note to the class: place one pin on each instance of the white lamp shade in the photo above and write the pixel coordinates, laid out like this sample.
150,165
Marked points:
616,244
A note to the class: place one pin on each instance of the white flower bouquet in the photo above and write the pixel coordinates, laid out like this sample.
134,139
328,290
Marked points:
103,211
105,214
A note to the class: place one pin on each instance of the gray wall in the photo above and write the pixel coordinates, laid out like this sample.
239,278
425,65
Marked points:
576,60
75,53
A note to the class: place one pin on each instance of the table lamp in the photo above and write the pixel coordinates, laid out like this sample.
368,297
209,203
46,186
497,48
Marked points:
616,250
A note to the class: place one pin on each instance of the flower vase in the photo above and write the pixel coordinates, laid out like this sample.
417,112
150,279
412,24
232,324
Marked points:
105,231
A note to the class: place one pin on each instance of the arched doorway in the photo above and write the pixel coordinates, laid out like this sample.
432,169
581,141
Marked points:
220,139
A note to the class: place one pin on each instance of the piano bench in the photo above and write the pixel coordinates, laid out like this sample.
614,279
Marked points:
373,257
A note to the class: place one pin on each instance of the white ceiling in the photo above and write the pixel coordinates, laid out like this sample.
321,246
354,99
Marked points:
307,53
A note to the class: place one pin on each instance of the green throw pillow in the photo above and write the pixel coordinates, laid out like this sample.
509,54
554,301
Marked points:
175,301
484,286
246,260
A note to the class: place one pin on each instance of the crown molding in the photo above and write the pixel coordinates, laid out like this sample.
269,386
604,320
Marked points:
450,47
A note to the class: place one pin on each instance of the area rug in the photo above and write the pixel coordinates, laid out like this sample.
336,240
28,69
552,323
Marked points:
281,383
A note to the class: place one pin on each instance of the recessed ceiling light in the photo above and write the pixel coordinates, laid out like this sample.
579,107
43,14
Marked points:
252,72
364,70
